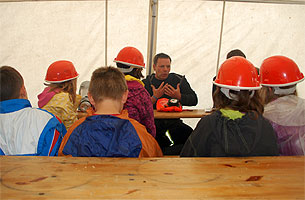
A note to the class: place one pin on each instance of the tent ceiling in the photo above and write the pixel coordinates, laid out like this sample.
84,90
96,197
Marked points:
248,1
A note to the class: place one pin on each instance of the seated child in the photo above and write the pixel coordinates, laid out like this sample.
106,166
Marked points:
237,127
130,61
59,97
109,132
25,130
283,108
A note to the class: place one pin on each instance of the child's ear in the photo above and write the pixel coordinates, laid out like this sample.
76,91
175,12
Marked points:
23,93
91,99
124,97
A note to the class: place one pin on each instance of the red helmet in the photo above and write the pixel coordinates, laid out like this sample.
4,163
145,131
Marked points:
61,71
280,71
169,105
237,73
130,56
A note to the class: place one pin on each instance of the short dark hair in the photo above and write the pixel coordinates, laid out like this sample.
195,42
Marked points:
235,52
161,55
11,82
107,82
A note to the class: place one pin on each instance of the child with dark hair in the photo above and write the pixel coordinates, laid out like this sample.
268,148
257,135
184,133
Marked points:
234,52
25,130
237,127
130,62
109,132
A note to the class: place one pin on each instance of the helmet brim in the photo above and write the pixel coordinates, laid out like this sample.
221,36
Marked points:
62,80
237,88
283,85
129,64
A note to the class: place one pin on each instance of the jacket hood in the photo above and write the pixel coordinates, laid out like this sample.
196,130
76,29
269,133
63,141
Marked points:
286,111
46,96
239,136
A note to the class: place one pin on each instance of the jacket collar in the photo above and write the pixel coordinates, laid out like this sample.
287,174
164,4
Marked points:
13,105
131,78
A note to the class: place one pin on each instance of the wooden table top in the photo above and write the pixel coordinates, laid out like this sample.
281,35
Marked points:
194,113
25,177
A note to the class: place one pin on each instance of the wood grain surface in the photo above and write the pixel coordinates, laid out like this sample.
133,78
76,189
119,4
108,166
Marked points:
152,178
195,113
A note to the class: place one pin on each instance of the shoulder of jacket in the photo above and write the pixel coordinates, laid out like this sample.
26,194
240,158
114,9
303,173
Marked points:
62,95
60,100
133,122
178,76
150,77
41,114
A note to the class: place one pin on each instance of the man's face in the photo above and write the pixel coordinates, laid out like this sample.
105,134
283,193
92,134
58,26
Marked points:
162,68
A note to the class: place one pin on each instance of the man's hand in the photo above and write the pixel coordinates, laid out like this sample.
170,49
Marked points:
160,90
172,92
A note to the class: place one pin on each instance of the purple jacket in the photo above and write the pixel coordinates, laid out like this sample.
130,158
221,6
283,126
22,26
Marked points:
140,107
287,117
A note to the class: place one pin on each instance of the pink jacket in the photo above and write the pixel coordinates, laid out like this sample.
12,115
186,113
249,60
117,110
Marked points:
139,106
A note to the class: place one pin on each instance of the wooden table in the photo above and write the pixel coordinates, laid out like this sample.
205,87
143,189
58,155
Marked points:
194,113
152,178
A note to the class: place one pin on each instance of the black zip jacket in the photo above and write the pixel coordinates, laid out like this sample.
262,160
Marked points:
219,136
188,96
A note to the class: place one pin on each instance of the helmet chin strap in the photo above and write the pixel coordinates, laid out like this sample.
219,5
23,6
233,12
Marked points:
125,70
231,96
278,90
226,92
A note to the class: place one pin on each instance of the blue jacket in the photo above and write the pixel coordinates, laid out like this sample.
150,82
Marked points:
28,131
103,136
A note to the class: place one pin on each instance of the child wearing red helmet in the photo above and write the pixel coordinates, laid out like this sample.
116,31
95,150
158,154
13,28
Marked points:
237,127
130,62
283,108
59,97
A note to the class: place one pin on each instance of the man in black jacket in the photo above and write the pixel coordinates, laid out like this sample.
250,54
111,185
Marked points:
163,84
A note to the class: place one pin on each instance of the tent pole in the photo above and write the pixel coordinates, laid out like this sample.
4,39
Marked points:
220,37
152,34
106,30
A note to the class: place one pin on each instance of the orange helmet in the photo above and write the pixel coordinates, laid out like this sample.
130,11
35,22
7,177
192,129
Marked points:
280,71
130,56
169,105
61,71
237,73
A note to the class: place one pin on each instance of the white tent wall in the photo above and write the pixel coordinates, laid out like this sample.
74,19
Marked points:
127,26
35,34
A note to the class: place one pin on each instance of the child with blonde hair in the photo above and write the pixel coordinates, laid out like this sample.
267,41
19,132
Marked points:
59,97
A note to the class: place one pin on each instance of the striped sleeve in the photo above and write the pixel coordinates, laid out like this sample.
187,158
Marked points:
51,137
